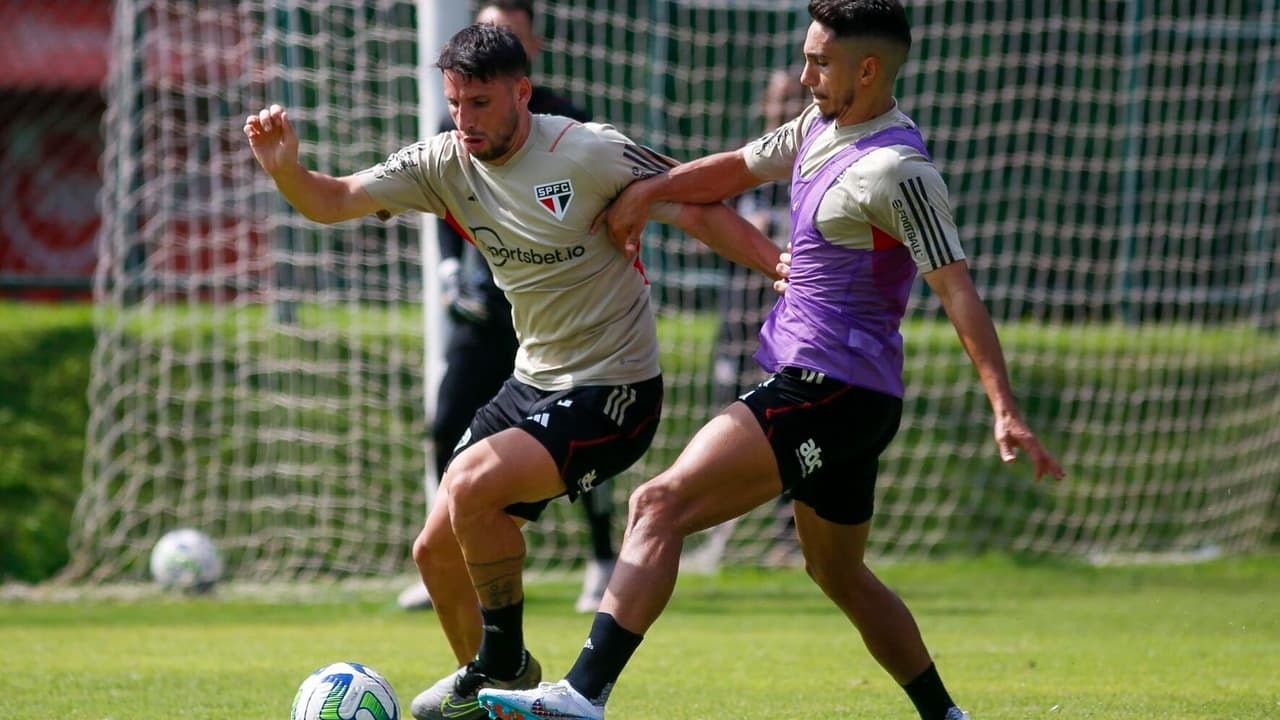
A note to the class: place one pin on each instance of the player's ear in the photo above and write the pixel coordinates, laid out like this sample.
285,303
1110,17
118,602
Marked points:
869,70
524,91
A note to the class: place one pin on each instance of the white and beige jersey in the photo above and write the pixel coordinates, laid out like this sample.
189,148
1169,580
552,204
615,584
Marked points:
580,309
893,190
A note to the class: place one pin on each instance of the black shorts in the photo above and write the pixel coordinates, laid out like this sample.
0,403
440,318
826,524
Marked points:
827,437
593,432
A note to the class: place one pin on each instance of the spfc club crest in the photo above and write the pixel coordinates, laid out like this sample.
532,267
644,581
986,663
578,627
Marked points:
554,197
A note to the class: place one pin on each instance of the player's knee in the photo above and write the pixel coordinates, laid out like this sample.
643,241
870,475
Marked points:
435,554
468,491
421,550
838,578
654,506
821,575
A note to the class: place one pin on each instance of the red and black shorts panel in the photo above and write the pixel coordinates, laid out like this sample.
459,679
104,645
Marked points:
827,437
593,432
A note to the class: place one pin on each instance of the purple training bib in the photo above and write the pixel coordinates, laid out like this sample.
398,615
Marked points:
843,309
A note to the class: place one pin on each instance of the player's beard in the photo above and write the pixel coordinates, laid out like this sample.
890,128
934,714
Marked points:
500,140
839,108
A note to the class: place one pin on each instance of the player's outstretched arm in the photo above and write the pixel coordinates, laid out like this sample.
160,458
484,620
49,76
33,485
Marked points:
978,335
322,198
705,180
731,236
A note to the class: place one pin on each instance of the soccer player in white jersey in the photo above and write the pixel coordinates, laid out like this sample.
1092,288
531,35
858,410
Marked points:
584,400
868,209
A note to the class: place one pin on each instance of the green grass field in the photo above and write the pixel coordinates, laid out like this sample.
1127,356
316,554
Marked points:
1013,640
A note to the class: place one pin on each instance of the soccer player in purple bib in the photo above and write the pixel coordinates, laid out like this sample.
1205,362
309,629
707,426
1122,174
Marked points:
869,209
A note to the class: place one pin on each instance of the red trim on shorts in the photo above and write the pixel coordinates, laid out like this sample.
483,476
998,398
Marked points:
770,412
574,444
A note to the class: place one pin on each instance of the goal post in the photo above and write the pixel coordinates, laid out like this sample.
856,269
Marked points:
1112,175
438,21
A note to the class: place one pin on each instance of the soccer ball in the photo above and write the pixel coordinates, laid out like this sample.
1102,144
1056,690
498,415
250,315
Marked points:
345,691
185,560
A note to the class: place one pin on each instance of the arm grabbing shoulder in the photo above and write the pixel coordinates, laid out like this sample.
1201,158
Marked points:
705,180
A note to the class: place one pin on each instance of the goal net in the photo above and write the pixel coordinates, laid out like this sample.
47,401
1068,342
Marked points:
1112,169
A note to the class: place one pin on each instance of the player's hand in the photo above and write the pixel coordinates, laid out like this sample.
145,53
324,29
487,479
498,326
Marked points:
467,308
626,218
272,139
463,306
784,270
1012,433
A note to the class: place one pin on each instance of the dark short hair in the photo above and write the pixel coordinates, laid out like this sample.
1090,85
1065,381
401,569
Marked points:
484,52
524,6
885,19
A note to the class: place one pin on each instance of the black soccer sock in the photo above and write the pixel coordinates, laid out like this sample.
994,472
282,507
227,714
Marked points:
600,523
929,695
606,652
502,645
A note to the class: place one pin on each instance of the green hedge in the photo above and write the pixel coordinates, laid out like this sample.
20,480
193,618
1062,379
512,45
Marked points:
46,350
45,353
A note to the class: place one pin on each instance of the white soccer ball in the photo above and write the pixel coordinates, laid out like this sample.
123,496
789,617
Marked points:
186,560
345,691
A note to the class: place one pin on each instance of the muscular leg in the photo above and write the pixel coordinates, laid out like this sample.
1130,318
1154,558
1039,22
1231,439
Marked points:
471,552
471,555
444,572
726,470
505,468
479,359
834,559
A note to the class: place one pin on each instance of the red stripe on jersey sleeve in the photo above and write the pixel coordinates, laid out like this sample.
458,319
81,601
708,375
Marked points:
562,132
457,227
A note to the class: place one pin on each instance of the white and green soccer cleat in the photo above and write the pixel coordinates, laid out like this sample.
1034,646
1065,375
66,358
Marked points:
548,701
453,697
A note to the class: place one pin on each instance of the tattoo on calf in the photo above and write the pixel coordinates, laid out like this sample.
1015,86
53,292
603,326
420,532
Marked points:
497,583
